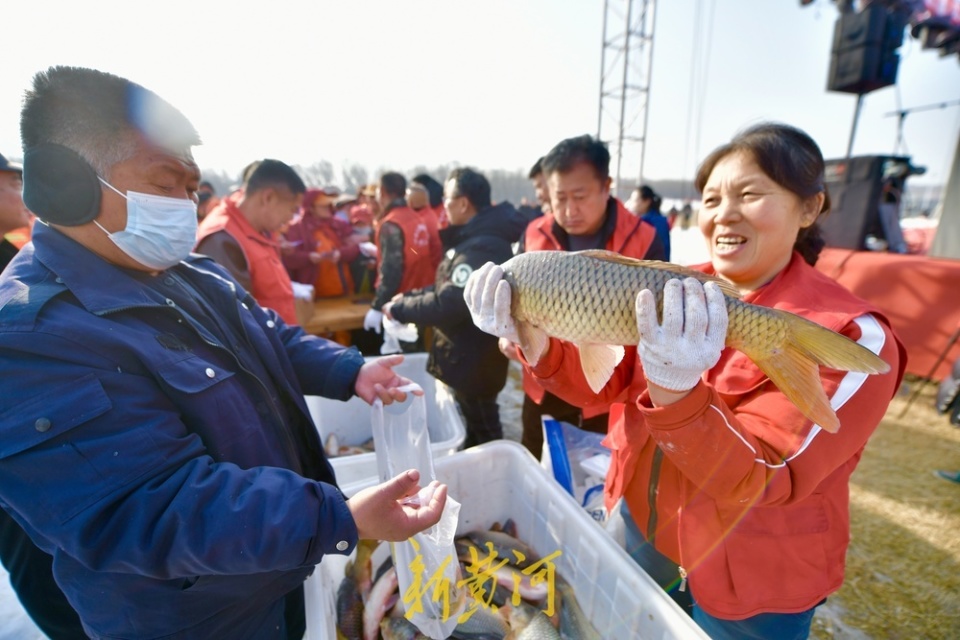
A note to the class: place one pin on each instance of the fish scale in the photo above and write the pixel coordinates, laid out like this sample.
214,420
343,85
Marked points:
588,298
582,302
765,328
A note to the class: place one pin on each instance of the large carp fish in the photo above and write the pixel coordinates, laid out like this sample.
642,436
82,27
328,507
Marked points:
588,298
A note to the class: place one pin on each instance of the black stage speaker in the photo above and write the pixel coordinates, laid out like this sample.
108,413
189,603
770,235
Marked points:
855,188
864,55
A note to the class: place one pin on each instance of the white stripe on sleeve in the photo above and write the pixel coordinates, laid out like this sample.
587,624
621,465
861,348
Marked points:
873,338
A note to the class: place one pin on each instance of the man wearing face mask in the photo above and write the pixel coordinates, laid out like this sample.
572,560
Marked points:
240,234
155,440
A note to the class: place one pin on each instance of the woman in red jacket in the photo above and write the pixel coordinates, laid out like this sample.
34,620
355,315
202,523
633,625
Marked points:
736,498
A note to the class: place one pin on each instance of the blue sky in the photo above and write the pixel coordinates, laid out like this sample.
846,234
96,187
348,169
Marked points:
393,84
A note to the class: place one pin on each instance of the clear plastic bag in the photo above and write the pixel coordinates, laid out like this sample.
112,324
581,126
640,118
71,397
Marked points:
394,332
427,567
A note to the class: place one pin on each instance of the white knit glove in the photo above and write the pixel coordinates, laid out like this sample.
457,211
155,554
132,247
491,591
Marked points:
488,299
676,353
373,320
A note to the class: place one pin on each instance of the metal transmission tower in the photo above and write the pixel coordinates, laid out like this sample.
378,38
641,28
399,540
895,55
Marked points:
626,63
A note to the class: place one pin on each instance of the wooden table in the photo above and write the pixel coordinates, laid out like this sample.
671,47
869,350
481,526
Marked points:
337,314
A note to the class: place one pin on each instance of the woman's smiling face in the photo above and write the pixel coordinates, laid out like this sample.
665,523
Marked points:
750,222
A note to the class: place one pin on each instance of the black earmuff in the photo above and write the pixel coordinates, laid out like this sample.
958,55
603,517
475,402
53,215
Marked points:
59,186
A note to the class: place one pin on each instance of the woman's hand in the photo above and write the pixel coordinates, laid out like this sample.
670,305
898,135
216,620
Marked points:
676,352
488,298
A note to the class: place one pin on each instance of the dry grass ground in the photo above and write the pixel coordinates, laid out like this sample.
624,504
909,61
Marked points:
903,566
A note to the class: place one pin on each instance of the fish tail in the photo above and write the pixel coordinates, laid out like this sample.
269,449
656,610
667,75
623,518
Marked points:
794,364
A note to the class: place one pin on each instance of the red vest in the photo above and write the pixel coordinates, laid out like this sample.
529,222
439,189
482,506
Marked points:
418,247
433,230
631,237
269,281
441,213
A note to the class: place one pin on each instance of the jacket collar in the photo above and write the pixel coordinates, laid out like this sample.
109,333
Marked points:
397,203
499,220
606,229
99,285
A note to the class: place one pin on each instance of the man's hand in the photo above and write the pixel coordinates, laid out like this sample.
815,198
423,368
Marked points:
386,308
380,512
675,353
488,298
377,379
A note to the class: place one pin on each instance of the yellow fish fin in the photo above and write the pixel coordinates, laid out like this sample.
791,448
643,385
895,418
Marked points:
598,362
798,377
533,342
832,349
794,365
681,272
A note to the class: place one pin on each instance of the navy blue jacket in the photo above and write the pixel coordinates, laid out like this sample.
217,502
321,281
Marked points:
662,226
175,501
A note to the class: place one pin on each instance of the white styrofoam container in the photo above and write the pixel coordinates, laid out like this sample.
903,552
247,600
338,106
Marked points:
350,421
500,480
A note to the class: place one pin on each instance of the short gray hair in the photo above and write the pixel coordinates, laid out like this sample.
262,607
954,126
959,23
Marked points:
100,116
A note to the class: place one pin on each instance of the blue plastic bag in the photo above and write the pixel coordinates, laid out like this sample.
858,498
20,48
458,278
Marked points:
578,462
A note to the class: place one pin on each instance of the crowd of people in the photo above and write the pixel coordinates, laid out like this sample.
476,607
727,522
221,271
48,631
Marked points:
161,475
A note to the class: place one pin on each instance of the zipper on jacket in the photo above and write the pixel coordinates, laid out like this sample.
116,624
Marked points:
652,493
683,578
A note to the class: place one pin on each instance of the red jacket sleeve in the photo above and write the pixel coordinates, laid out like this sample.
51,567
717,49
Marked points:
734,454
559,372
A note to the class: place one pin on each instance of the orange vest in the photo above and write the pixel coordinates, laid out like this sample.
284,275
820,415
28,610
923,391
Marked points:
418,247
269,281
333,278
631,237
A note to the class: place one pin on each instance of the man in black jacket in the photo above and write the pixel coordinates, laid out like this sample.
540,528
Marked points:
462,356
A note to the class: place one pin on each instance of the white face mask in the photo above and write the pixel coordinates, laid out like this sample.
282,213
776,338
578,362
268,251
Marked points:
160,231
